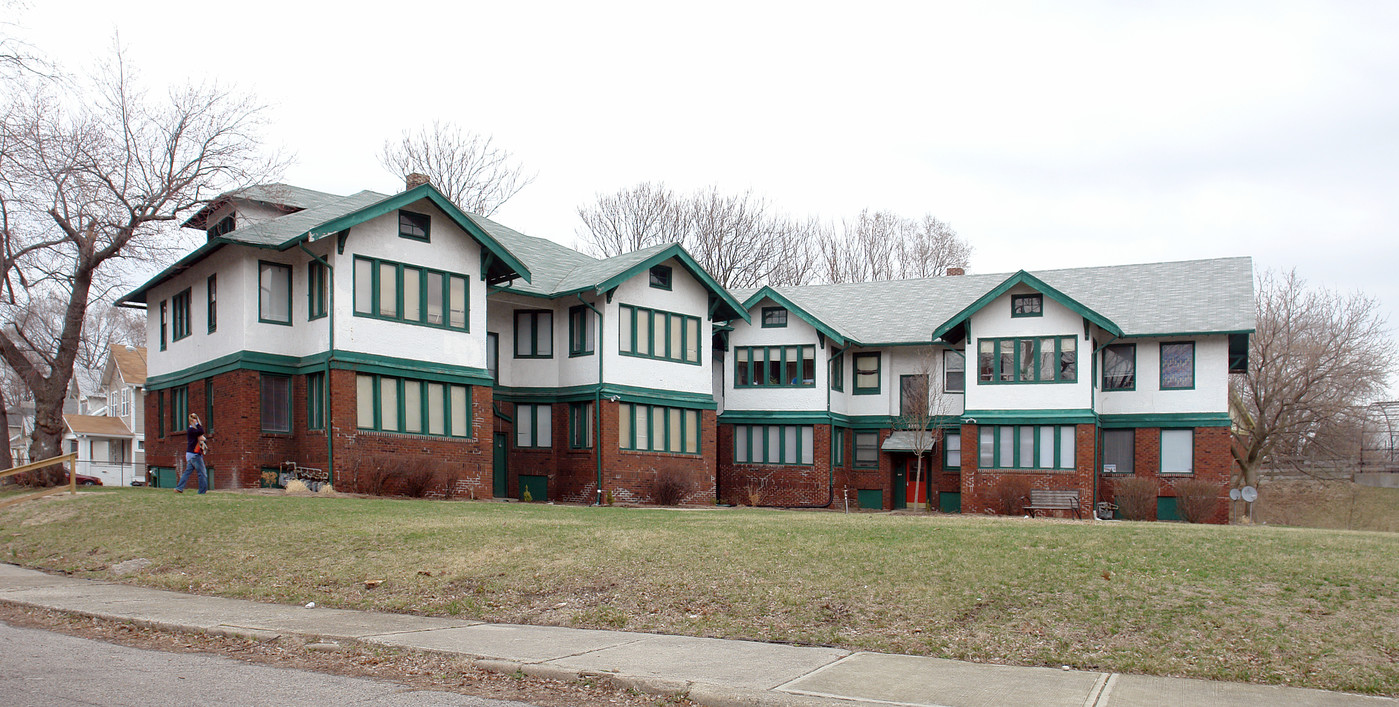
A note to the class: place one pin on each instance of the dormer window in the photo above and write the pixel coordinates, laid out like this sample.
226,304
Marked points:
1027,305
226,224
660,277
415,226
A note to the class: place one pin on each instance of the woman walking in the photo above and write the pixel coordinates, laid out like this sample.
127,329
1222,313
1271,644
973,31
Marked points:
195,446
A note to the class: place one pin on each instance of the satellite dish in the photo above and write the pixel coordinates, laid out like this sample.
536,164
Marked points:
1234,494
1249,494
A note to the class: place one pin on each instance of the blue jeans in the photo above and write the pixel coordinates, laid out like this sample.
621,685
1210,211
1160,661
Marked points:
194,461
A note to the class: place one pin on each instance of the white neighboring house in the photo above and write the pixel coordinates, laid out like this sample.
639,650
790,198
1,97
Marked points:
110,442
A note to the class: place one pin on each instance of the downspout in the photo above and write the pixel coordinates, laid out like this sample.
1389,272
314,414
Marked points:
597,401
1093,405
330,355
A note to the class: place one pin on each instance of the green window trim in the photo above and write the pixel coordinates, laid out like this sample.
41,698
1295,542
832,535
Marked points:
452,303
1027,305
774,317
865,441
268,273
272,409
679,340
1161,459
659,429
775,445
414,226
794,366
213,303
862,369
1119,367
316,295
528,325
1006,444
954,372
160,413
837,372
534,414
661,277
580,336
209,405
1177,385
993,355
580,425
425,408
179,408
162,324
315,401
837,447
180,315
948,447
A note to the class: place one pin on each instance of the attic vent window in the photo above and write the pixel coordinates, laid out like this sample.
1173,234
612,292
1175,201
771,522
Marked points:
774,317
1027,306
660,277
411,225
226,224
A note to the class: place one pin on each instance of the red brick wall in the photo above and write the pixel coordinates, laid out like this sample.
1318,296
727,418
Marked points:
782,486
978,487
1212,460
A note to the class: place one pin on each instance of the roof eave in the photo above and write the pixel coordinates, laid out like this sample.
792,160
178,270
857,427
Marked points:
767,292
1023,277
731,309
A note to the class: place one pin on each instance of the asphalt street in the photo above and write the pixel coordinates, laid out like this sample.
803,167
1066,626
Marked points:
44,669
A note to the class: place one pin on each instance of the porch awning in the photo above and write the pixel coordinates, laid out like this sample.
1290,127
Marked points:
903,442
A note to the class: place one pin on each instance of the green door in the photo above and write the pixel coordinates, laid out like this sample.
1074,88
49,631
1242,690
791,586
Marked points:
499,489
164,477
1166,508
900,485
537,486
870,499
950,502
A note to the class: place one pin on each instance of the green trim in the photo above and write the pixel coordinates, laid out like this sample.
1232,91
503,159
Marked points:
425,225
344,360
835,372
675,251
317,291
773,310
1161,454
447,280
855,462
1104,383
819,417
1037,284
1035,360
1015,299
1082,416
623,393
631,348
578,319
315,400
1161,365
533,333
400,388
260,318
774,457
263,377
665,282
408,368
180,322
1173,334
1165,419
579,415
768,293
762,371
1009,459
855,387
164,316
659,441
211,295
509,266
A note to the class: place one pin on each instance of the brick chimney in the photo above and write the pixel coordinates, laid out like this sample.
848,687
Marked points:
415,179
955,271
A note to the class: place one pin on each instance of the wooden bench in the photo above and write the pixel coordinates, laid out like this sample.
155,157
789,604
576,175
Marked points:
1053,500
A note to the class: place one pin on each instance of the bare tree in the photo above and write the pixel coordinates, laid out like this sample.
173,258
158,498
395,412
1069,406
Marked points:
1316,356
86,176
923,406
639,217
466,167
885,246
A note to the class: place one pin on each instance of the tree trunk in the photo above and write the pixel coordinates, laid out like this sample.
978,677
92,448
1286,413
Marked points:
9,461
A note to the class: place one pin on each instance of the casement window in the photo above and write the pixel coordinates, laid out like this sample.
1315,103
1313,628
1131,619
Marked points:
580,425
774,317
652,333
414,226
1026,447
534,333
213,306
1119,451
1120,367
225,224
493,355
954,372
315,401
1039,360
208,405
1027,305
316,285
180,319
410,294
1178,365
866,450
913,395
163,317
661,277
837,446
952,448
580,335
867,377
775,366
160,413
534,426
654,428
774,444
392,404
276,403
1177,451
1238,353
273,293
179,408
838,372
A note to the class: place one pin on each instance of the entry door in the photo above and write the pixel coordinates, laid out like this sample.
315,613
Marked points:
915,489
900,476
498,486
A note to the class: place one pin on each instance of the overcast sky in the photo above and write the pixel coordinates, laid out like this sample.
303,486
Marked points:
1047,134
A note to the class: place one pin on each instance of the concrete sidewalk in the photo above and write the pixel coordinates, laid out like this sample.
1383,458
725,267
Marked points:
712,671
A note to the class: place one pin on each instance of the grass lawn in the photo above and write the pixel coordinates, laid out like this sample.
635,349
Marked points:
1316,608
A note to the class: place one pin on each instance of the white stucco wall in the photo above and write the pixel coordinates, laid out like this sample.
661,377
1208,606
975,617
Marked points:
686,296
994,322
796,333
1210,394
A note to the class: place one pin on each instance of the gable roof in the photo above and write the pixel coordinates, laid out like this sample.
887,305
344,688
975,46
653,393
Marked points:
130,362
285,196
1150,299
1038,285
99,425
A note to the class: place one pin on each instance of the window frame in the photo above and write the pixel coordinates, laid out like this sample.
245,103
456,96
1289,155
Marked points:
997,357
947,371
855,462
632,313
285,400
904,380
661,277
315,401
424,403
770,318
534,316
1130,434
1133,358
375,306
317,291
836,372
532,411
580,338
269,266
1016,437
759,436
160,413
179,315
754,368
212,302
580,425
179,407
948,434
208,405
1161,365
856,388
837,446
163,318
413,222
1161,460
224,225
629,411
1017,310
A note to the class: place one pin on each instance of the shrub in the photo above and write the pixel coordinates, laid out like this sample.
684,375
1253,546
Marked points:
754,496
671,487
1135,497
1012,494
326,490
297,487
1197,500
419,477
369,473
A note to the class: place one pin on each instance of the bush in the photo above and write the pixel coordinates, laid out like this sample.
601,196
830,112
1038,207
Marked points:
753,496
1011,494
1197,500
671,488
1135,497
420,476
368,473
